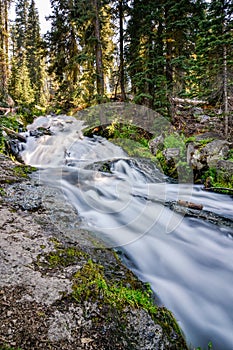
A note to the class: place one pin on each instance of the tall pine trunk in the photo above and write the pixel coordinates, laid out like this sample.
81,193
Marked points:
122,72
98,51
3,48
225,92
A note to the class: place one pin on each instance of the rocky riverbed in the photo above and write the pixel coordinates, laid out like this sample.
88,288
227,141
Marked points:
60,288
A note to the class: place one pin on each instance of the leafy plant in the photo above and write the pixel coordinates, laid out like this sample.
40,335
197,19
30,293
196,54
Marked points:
230,155
174,141
218,180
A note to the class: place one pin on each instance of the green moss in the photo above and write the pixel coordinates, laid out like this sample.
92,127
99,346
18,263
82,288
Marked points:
190,139
205,141
119,130
166,169
2,192
90,283
55,241
174,140
210,346
134,149
62,257
230,155
23,170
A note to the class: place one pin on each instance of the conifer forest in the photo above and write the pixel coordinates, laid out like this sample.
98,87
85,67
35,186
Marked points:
145,51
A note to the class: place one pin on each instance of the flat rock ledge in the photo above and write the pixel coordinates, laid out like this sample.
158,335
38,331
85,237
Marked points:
49,294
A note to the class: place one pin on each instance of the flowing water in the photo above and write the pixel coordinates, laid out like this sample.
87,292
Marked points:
188,261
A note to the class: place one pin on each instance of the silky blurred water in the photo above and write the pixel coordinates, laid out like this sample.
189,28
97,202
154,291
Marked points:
188,261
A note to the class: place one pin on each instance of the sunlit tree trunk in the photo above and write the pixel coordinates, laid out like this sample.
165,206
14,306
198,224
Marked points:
4,47
98,49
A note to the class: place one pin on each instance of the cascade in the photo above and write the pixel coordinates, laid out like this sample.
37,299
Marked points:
188,261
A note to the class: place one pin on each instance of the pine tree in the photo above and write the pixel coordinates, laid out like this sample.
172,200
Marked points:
81,50
213,62
98,49
20,87
161,36
4,49
62,43
141,34
28,68
119,11
34,53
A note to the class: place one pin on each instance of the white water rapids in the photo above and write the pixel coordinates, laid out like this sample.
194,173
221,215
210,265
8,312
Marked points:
187,261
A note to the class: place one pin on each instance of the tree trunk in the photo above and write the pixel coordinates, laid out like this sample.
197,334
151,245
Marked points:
98,50
4,48
225,92
122,73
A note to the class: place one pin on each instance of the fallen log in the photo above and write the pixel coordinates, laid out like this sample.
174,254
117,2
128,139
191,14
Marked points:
219,189
188,101
207,215
190,205
14,134
8,110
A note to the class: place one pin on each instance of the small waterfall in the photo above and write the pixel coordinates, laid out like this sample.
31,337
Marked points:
188,261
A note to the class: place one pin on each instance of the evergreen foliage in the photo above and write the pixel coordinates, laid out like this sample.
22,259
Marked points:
147,50
27,82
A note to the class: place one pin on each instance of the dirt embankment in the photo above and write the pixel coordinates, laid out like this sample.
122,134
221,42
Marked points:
59,287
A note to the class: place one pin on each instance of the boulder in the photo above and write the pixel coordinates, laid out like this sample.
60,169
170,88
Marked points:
157,144
171,154
225,170
201,157
215,151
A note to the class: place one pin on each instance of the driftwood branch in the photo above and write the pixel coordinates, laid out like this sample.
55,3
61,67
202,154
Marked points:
14,134
8,110
218,189
188,101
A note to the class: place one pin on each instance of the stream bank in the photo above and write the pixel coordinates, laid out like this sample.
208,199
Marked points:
56,293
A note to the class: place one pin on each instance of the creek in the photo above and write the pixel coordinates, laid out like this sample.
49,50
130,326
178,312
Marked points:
187,261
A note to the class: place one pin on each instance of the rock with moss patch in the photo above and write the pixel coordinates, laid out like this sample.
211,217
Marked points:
202,155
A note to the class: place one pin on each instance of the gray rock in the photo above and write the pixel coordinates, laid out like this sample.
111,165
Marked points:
197,111
37,307
225,170
214,151
156,144
201,157
171,154
225,165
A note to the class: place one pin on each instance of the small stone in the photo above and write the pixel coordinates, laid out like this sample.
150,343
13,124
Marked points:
86,340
